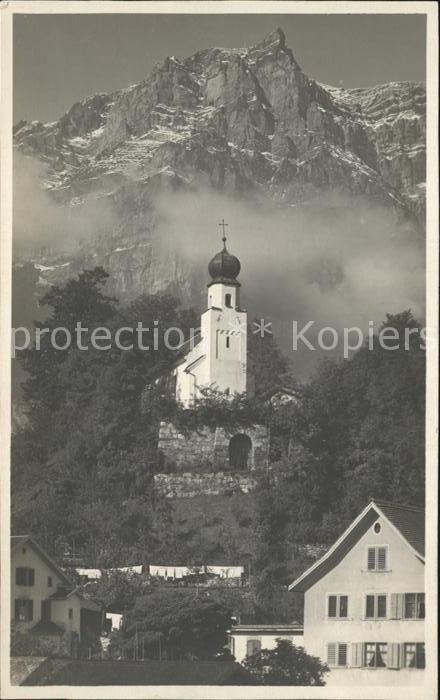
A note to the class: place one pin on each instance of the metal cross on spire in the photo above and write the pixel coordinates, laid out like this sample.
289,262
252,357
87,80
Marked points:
223,225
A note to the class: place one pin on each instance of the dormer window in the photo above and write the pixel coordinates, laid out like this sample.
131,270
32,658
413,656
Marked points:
228,301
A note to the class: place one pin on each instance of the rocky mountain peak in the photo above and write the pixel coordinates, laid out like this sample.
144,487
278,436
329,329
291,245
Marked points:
243,122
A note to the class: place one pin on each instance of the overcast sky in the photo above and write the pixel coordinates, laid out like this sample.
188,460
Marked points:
59,59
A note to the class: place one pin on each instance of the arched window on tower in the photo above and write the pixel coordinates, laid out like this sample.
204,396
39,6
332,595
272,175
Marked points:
228,300
240,446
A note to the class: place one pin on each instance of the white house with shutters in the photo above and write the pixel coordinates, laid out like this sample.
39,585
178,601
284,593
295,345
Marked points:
364,600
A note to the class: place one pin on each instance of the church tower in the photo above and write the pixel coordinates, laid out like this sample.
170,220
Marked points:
213,460
224,325
219,361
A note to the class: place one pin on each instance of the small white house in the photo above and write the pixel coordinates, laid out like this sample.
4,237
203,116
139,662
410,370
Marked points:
364,602
247,640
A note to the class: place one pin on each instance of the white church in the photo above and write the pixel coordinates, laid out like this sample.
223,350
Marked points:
219,357
212,459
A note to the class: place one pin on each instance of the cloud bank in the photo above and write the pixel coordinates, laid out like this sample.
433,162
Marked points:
337,261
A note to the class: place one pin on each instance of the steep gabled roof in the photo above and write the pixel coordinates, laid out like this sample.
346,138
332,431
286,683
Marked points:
407,521
20,540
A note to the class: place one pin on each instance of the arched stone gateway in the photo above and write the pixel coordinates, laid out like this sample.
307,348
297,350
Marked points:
212,452
240,447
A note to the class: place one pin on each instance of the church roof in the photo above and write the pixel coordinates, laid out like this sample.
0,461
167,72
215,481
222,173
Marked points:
224,267
183,351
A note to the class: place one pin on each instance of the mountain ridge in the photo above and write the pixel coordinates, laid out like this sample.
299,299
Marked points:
244,122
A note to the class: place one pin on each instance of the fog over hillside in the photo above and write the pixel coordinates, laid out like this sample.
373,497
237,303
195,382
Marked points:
322,188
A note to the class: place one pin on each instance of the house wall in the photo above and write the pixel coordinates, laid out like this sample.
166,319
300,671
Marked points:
350,577
60,613
26,556
238,642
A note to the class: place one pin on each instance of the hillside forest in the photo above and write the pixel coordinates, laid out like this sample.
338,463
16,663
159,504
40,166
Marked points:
84,461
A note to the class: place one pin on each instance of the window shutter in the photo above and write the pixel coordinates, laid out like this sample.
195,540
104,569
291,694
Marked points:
381,606
17,610
342,655
369,606
394,606
402,655
371,558
394,656
31,577
420,655
381,558
252,646
331,654
30,615
332,606
410,605
343,606
356,654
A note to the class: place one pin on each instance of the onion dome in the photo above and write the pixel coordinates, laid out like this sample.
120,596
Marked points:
224,267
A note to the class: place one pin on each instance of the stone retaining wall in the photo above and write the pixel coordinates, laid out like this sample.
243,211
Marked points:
207,449
190,484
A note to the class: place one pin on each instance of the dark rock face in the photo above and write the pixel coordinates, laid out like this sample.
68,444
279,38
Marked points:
239,121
